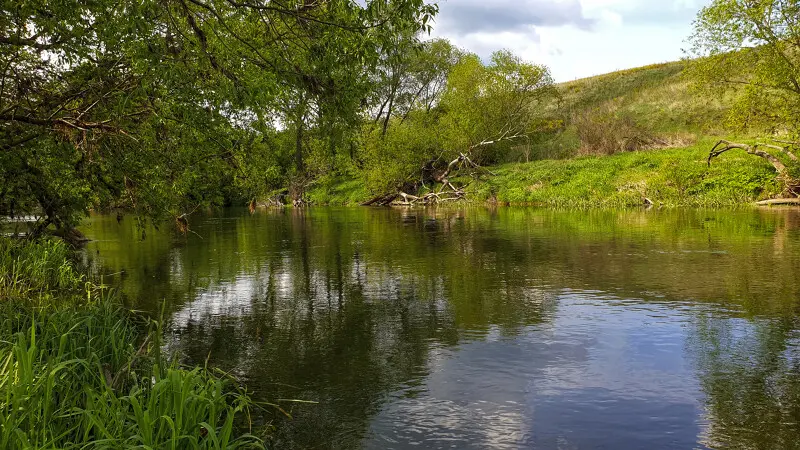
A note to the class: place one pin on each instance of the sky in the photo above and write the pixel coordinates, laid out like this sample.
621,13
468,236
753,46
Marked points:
574,38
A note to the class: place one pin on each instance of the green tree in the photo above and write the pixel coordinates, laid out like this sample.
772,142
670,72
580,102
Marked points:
165,106
489,105
454,111
753,45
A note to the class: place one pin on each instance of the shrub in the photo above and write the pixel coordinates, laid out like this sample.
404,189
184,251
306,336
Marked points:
604,132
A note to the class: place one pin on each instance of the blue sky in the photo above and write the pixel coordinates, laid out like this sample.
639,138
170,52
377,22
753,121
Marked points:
575,38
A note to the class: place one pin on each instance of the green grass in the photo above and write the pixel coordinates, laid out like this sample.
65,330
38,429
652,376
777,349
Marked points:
36,270
678,177
338,191
76,372
659,96
671,178
659,99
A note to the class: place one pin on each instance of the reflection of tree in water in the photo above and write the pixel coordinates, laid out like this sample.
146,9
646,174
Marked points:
344,316
750,374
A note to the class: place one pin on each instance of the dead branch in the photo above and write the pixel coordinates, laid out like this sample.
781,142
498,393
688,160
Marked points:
724,146
382,200
779,202
432,198
447,191
791,184
784,150
500,139
792,143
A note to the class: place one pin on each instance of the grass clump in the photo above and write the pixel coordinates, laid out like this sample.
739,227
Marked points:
77,372
37,270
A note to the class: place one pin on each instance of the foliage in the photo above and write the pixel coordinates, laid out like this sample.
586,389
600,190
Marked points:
754,45
74,372
412,77
490,104
161,107
482,109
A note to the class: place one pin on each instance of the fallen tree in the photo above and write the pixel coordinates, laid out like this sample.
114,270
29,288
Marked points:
428,176
789,179
448,191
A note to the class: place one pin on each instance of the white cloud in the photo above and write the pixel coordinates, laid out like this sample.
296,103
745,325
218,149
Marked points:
575,38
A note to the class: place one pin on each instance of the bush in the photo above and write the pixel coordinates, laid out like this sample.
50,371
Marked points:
603,132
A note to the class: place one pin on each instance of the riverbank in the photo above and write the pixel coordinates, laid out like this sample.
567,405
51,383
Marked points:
77,371
675,177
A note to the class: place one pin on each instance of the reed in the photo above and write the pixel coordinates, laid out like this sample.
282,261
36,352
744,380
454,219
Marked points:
35,269
77,372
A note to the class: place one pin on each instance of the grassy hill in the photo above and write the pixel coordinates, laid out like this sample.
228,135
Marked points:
671,127
656,103
659,96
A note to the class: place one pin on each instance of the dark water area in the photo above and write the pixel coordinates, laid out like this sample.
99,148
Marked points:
476,328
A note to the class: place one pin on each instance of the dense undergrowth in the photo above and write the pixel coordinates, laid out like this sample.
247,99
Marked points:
77,372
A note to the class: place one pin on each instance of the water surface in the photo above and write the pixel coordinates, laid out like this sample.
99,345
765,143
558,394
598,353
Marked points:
508,328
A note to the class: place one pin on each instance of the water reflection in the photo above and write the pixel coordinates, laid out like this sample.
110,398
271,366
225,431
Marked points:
476,328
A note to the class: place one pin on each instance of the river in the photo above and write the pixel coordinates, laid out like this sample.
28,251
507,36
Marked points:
484,328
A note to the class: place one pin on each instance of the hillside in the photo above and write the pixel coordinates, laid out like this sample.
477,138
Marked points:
659,96
654,103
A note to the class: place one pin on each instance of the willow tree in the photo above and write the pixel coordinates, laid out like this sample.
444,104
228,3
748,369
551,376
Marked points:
753,46
492,104
482,109
161,106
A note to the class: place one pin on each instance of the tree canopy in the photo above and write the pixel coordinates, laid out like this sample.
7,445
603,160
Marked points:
164,106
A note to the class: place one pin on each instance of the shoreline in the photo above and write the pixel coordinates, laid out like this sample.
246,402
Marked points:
675,177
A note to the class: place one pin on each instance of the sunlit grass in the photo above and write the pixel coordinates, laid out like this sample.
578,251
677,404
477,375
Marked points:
669,178
677,177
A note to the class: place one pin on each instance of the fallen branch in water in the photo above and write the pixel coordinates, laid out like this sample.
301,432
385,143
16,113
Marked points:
779,202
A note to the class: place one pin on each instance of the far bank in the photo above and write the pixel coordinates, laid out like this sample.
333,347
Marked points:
676,177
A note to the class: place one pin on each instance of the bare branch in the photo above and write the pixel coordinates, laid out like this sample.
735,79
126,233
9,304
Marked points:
724,146
780,149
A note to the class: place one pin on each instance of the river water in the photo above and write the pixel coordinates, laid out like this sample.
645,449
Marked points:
478,328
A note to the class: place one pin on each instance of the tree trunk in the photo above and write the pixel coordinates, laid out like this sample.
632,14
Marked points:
299,163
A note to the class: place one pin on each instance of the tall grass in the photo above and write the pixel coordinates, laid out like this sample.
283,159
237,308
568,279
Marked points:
36,269
76,372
